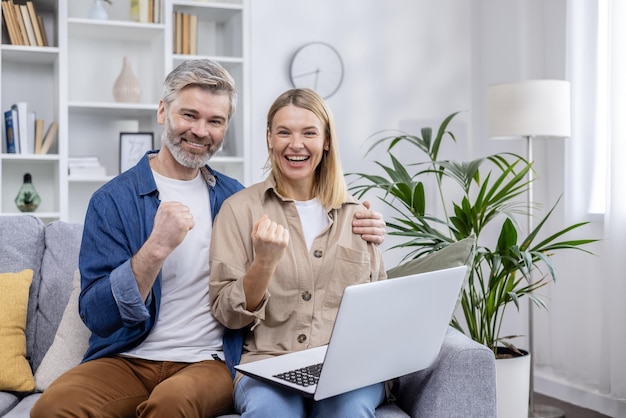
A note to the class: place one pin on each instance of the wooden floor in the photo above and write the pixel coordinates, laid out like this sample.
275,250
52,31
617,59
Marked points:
570,411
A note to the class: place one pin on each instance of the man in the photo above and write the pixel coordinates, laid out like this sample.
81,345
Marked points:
155,349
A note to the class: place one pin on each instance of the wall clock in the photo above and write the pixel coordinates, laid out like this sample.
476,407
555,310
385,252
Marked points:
318,66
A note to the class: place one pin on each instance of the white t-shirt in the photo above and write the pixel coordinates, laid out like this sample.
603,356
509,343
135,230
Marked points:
185,330
313,218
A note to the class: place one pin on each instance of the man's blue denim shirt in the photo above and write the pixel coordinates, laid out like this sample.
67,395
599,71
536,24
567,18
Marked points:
119,219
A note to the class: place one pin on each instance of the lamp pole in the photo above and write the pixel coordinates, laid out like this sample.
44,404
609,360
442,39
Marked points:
534,410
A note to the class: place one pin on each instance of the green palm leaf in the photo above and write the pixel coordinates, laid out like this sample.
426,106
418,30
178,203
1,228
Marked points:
487,193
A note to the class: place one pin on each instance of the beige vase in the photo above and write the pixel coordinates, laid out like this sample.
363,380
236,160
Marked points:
126,88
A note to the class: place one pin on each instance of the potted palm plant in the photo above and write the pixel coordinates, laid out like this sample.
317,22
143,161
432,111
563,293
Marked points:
484,197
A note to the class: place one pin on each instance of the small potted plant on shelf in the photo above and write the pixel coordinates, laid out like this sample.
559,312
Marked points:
483,197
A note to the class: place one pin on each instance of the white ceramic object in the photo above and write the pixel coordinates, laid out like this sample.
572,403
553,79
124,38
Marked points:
512,386
97,11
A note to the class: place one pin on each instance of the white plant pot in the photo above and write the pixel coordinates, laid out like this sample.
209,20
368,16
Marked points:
512,386
97,11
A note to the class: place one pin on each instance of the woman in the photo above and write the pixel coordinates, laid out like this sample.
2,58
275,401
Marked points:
285,251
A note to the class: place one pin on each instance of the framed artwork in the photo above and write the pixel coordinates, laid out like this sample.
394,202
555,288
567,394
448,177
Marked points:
133,145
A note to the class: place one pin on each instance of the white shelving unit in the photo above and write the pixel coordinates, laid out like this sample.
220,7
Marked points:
33,75
71,83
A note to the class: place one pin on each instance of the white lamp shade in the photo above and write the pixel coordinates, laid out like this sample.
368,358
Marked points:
529,108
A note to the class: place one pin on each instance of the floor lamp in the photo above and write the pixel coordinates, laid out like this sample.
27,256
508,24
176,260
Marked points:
530,109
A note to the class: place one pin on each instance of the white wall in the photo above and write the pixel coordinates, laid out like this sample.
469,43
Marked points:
414,62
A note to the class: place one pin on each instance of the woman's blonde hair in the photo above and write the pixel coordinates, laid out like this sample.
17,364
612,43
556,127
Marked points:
329,185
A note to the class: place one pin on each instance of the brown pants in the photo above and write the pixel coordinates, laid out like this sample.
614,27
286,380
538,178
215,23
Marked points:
127,387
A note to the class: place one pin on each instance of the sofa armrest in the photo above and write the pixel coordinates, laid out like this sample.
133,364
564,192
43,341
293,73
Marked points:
460,383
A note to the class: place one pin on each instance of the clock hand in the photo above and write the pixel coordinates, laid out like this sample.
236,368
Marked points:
316,72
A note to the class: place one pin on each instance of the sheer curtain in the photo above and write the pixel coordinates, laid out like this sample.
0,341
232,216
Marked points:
615,220
593,311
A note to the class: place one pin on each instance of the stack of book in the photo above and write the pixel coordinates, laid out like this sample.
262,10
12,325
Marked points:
146,11
24,133
185,33
85,168
24,25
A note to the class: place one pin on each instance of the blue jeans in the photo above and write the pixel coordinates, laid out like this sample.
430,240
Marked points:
261,400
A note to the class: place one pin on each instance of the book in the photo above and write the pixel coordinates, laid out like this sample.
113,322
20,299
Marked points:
85,167
157,11
87,172
30,123
134,10
185,33
22,123
30,31
39,127
17,13
178,30
50,137
143,11
42,29
16,130
32,13
88,161
9,126
193,34
8,15
144,15
19,29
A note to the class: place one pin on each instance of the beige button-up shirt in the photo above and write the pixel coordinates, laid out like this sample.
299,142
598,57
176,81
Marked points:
300,306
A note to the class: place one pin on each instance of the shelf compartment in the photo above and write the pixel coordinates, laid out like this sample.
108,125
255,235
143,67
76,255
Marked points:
41,76
219,27
95,131
94,65
48,11
96,53
45,174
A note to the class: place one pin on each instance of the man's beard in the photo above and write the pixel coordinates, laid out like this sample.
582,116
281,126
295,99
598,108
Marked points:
185,158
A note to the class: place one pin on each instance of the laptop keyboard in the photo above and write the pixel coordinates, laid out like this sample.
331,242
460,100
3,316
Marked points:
306,376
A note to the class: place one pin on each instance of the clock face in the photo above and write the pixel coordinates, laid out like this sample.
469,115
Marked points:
318,66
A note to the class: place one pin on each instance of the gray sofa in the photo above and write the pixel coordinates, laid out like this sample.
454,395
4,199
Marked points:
461,383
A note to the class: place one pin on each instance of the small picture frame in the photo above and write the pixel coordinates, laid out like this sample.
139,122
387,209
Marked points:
133,145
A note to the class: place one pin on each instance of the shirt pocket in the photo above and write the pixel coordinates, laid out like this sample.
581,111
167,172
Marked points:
350,267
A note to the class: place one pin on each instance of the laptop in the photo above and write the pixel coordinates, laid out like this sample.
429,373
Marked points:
383,330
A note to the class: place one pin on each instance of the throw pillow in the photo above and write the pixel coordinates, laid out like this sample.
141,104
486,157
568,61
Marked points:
456,254
70,342
15,372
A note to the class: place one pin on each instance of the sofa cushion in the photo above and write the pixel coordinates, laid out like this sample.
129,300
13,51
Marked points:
22,409
59,262
15,373
8,400
458,253
69,345
21,247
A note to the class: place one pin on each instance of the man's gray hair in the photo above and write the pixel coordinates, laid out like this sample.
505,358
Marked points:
203,73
